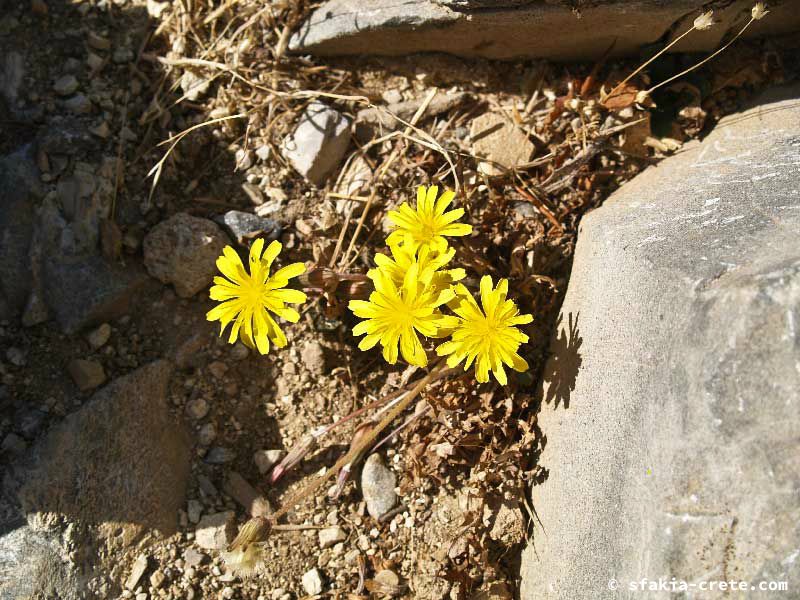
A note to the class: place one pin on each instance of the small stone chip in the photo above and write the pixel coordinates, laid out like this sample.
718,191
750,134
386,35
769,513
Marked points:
215,532
66,85
138,569
87,374
330,536
266,459
97,338
312,582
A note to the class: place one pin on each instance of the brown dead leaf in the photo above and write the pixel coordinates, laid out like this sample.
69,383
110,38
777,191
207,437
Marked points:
622,98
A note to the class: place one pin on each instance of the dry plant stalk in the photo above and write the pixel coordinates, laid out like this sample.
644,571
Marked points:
701,23
257,529
757,13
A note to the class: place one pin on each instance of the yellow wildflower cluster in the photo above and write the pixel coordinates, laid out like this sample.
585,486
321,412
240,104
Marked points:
412,287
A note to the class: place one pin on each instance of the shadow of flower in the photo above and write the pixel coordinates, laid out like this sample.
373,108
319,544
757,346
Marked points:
561,370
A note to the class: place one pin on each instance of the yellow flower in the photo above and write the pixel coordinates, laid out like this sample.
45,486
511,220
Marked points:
247,299
489,336
429,224
395,313
430,264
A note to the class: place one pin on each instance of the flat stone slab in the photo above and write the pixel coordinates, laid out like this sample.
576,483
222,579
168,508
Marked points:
120,462
671,399
525,28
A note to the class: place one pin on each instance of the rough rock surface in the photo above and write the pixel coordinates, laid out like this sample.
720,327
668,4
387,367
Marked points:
246,227
560,30
183,251
670,409
119,463
215,532
501,142
34,564
319,142
375,121
88,290
20,192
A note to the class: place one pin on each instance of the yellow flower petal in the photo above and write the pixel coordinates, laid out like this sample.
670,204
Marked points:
444,201
256,250
289,271
485,334
427,225
272,252
289,295
248,296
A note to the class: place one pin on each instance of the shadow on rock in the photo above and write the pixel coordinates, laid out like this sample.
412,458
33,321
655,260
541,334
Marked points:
561,370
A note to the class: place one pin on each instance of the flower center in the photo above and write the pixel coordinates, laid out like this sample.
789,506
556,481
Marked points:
252,292
427,230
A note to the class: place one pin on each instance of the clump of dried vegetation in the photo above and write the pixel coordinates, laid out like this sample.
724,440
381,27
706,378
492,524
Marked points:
592,128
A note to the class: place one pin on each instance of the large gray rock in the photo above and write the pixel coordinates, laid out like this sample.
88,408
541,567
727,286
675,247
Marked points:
36,564
110,474
20,193
84,291
555,29
119,465
671,400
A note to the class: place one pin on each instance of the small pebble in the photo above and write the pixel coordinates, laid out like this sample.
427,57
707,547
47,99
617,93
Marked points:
388,578
377,485
331,536
239,351
66,85
94,61
157,579
312,582
98,42
194,510
218,369
137,570
263,152
193,558
266,459
219,456
16,357
207,434
78,104
97,338
102,130
215,532
87,374
197,408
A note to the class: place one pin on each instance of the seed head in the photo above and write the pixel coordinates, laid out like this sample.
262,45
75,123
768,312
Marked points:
642,97
244,561
704,21
759,11
254,531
